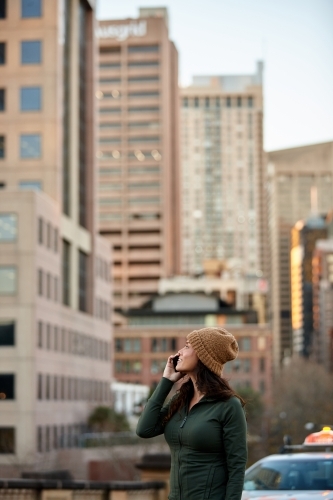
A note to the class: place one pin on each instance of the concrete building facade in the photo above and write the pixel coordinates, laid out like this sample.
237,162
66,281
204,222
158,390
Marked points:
292,174
222,172
138,153
55,288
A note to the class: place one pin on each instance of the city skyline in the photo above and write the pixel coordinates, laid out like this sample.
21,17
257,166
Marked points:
296,65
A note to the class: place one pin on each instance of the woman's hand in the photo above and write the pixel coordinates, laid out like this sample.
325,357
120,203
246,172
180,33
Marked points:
169,371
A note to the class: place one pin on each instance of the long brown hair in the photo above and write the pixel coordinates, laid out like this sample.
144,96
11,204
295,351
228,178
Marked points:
208,383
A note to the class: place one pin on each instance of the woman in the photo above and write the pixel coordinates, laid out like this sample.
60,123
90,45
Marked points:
204,423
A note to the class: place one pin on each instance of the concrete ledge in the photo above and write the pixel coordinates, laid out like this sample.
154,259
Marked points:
52,484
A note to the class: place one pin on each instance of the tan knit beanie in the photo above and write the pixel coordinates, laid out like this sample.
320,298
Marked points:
214,346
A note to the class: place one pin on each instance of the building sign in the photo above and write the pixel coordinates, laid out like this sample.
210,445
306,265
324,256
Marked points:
122,31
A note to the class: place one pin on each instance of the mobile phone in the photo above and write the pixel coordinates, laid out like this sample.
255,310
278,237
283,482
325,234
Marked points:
175,361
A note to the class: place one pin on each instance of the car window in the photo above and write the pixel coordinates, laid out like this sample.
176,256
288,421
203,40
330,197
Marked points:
291,475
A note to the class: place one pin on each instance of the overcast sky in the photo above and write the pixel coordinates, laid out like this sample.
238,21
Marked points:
293,37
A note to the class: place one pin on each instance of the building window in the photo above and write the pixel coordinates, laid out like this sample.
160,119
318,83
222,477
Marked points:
66,270
40,282
157,366
83,281
40,335
246,344
2,146
7,440
250,102
2,53
31,52
31,98
40,439
239,102
262,387
40,230
196,102
133,49
83,114
2,99
30,185
228,102
3,9
7,333
31,8
262,365
30,146
8,227
48,285
7,280
40,386
7,385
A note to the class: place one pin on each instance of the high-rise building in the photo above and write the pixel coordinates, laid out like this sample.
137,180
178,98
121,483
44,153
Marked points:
54,268
222,172
322,281
304,235
138,153
291,175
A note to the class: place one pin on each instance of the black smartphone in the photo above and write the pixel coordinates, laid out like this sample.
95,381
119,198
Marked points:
175,361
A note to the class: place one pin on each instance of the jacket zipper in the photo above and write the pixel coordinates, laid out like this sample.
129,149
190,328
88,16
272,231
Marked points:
180,442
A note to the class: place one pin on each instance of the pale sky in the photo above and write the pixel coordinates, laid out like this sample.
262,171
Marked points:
293,37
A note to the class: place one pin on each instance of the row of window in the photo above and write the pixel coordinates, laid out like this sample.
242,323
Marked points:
157,344
139,154
29,8
30,99
58,387
48,235
131,185
153,200
131,79
244,365
25,185
52,337
130,109
228,102
48,285
102,309
31,52
131,217
130,140
58,436
131,125
135,171
130,64
135,366
131,49
102,269
115,94
30,146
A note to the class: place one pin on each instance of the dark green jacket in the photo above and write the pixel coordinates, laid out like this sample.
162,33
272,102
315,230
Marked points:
208,445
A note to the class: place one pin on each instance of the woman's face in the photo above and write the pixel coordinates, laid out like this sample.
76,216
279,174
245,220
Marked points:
188,360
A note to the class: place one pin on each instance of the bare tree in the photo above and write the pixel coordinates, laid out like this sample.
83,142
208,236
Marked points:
303,394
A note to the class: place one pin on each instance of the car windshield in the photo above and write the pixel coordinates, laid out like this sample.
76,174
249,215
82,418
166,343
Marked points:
293,474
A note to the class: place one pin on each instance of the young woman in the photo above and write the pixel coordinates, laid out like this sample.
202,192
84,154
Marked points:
204,423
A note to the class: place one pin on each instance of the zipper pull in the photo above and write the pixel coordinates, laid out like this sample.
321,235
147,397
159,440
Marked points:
183,422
